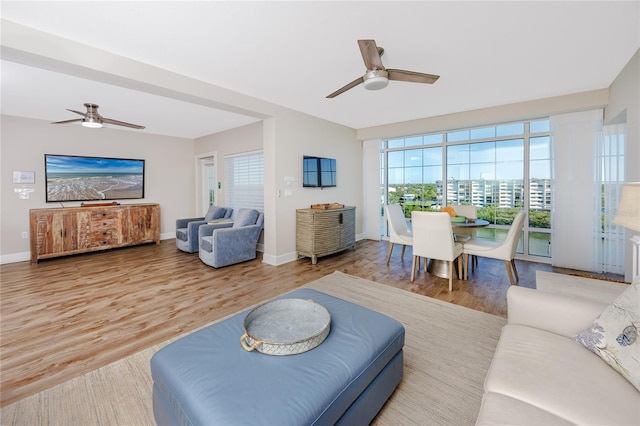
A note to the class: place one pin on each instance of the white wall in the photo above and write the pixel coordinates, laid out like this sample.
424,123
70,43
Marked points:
285,140
23,143
498,114
295,135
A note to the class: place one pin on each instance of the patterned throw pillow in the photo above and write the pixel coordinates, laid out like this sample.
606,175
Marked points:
615,335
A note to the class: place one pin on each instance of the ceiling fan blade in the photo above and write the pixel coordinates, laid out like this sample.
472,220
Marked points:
77,112
121,123
412,76
343,89
67,121
371,54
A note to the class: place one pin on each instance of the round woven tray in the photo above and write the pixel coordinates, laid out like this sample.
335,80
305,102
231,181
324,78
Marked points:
286,327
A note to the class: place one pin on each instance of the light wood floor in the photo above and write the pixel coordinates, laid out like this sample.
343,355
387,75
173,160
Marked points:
64,317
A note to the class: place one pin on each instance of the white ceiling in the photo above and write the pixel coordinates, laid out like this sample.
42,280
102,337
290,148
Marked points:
295,53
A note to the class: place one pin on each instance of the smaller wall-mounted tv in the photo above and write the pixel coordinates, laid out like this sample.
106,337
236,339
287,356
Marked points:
318,172
77,178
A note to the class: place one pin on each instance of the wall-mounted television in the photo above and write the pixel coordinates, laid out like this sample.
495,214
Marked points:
318,172
77,178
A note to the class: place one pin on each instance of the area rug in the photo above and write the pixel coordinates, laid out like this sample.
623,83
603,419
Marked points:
447,353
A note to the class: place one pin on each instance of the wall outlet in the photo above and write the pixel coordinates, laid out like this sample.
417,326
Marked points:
25,234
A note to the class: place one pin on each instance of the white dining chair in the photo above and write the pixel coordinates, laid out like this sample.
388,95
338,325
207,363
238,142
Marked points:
462,235
470,212
399,232
503,250
433,239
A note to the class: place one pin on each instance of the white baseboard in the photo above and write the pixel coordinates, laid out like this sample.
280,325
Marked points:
279,260
15,257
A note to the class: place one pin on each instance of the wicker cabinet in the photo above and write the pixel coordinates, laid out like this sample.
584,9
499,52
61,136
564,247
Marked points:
72,230
324,232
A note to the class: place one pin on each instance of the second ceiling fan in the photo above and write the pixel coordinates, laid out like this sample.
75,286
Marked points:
377,77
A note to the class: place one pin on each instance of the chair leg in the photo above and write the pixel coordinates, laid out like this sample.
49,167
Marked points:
413,266
515,270
424,264
404,246
466,266
460,268
508,265
450,274
389,254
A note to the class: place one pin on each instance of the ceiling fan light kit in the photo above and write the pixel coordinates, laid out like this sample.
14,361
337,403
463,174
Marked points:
376,79
377,76
91,123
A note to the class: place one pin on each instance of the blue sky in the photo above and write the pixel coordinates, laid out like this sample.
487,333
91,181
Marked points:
73,164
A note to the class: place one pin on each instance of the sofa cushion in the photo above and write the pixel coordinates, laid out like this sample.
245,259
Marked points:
207,244
215,213
498,409
613,336
182,234
555,374
245,217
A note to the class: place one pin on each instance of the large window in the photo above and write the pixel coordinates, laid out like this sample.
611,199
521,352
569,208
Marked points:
500,169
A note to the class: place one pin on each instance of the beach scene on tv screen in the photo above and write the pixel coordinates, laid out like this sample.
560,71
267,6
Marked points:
72,178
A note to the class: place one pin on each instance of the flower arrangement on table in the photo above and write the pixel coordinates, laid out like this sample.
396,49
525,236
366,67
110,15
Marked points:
449,210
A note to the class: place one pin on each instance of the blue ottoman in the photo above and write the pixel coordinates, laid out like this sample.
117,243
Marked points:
207,378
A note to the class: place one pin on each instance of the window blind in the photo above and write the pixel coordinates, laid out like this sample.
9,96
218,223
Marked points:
610,176
244,180
574,221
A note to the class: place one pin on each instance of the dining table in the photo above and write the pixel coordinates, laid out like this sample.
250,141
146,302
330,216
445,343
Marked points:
440,268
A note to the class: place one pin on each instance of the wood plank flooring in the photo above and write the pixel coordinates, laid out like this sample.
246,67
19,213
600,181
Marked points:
64,317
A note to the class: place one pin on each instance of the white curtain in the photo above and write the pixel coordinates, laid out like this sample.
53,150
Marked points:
609,250
372,203
574,220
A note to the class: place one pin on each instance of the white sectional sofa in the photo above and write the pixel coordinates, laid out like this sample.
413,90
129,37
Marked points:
541,376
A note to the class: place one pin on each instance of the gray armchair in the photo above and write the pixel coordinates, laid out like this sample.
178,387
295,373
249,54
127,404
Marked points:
226,246
187,229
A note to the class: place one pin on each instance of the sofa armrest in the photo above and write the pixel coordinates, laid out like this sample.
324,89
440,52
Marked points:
183,223
206,230
192,229
556,313
242,238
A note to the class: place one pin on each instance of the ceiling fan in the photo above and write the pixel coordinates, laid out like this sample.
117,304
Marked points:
93,119
377,77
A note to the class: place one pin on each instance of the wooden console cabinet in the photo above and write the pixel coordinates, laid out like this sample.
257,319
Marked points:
324,232
72,230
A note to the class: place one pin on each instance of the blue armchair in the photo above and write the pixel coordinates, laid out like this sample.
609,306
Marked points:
187,229
226,246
